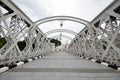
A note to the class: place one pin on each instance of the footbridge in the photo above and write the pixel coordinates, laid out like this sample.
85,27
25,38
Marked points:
26,52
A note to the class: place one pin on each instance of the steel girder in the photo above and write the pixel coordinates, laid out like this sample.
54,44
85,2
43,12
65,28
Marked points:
60,18
68,18
60,30
101,40
15,27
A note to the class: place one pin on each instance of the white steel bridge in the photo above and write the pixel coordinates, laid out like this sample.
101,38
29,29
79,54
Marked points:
93,54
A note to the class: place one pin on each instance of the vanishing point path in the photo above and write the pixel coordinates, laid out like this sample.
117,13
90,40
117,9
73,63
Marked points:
61,66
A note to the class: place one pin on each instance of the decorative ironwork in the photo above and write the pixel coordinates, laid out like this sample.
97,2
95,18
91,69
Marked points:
100,39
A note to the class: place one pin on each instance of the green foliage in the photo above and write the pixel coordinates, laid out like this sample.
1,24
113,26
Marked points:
2,42
56,42
104,44
33,45
21,45
104,47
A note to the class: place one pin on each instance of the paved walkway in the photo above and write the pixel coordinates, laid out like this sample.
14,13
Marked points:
61,66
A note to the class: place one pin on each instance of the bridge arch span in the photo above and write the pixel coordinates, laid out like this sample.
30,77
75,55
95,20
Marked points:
69,18
60,30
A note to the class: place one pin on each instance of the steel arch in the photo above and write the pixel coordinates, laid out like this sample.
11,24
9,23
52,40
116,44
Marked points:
60,30
69,18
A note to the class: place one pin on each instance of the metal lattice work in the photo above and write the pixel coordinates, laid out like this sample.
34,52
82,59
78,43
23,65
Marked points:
64,18
15,29
68,18
101,40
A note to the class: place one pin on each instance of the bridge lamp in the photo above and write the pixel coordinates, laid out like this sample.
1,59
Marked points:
61,24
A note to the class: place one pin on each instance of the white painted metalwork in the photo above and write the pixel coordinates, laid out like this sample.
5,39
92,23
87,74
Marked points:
15,26
101,40
61,30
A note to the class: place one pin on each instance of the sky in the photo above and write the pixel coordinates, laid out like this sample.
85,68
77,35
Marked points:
84,9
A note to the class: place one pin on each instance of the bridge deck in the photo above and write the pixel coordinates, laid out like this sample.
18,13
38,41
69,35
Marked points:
61,66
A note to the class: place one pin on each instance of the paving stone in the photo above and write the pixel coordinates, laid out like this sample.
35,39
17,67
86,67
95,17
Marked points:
61,66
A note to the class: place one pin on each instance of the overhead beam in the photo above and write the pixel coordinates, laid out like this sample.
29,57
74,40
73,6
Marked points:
68,18
60,30
9,5
108,10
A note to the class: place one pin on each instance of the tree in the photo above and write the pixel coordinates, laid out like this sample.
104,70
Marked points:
56,42
2,42
21,45
104,44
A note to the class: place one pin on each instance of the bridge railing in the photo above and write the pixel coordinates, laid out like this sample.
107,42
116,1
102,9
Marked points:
100,40
18,41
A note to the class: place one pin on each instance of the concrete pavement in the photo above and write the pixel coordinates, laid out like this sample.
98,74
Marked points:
61,66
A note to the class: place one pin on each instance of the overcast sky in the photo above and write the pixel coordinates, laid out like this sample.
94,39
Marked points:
85,9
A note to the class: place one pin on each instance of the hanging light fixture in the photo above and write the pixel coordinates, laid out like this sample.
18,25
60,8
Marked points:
61,24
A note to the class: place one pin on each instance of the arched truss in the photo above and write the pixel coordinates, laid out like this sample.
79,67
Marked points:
17,26
62,36
54,18
60,30
14,26
101,41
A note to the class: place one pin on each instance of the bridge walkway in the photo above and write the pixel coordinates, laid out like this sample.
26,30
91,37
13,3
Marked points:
61,66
